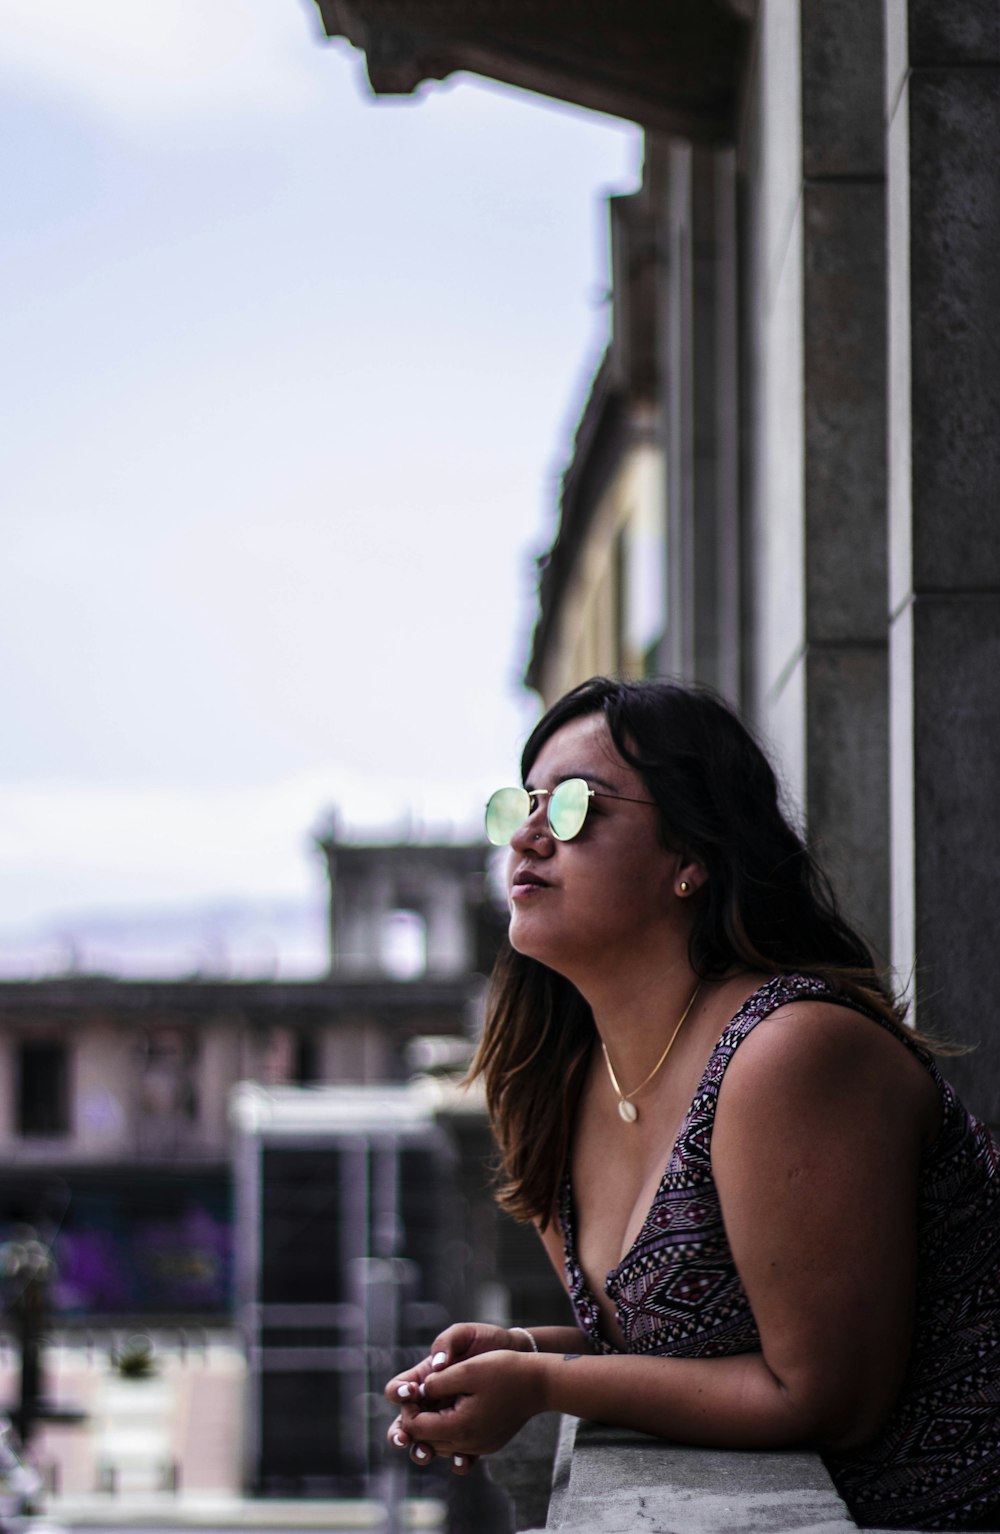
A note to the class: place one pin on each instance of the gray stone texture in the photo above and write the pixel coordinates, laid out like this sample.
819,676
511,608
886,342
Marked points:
956,32
845,413
612,1481
846,766
943,102
617,1482
847,790
782,725
898,338
842,108
956,793
897,51
523,1469
954,282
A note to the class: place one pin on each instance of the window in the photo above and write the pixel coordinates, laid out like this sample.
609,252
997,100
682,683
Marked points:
404,945
305,1062
43,1089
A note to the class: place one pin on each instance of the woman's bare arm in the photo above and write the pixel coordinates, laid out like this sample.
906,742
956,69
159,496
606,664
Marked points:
821,1120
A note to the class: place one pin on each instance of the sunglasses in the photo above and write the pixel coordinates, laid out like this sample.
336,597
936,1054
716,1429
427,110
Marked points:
566,810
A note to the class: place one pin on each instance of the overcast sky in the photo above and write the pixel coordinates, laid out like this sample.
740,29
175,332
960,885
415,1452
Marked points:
288,378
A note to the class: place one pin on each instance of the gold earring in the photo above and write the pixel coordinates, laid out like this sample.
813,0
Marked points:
684,886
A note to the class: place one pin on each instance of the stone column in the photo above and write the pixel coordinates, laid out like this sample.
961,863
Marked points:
943,116
844,423
812,165
698,366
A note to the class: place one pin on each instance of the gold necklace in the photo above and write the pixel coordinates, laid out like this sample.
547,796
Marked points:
627,1109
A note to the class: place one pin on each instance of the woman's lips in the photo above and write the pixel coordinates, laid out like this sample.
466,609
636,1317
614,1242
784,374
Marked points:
525,883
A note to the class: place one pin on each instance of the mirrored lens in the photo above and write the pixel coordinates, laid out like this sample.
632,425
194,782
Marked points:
507,809
568,808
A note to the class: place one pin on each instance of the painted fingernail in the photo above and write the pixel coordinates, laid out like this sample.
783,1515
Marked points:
399,1440
420,1453
404,1392
438,1360
458,1460
420,1390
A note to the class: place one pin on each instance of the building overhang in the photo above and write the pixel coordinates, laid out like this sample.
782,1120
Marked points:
673,66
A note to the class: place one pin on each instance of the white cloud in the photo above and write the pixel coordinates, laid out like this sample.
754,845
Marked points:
165,62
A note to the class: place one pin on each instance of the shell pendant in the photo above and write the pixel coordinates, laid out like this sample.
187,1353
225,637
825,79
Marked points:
627,1111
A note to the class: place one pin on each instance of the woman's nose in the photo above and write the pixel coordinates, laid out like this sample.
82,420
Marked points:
534,835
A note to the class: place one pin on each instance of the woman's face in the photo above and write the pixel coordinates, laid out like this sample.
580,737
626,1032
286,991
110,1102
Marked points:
609,891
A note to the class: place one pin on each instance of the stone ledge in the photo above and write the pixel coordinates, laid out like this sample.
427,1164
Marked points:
611,1481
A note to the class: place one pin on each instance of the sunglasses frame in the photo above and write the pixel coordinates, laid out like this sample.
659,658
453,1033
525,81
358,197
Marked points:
533,795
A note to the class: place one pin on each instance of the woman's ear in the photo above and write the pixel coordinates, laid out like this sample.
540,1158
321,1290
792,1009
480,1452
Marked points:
689,878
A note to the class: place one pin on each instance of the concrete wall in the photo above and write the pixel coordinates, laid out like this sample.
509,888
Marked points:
812,177
871,405
942,104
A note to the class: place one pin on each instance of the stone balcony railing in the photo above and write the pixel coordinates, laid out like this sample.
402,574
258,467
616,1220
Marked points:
611,1481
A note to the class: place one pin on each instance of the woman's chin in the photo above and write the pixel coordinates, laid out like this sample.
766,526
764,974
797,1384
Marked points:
544,947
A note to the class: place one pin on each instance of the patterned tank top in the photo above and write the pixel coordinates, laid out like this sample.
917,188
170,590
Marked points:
676,1292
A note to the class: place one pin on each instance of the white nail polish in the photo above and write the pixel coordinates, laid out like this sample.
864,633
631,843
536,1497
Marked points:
399,1440
458,1460
403,1392
420,1454
421,1391
438,1360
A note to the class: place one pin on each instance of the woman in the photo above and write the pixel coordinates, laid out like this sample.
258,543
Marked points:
820,1262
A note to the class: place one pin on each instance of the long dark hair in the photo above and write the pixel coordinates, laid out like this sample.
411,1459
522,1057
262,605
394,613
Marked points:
765,906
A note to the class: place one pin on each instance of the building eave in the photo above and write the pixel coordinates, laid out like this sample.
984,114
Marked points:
673,66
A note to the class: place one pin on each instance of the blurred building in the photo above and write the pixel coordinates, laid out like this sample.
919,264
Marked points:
784,481
114,1093
410,908
362,1231
117,1145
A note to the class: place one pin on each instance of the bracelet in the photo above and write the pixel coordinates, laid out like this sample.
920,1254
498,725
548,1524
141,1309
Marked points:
525,1333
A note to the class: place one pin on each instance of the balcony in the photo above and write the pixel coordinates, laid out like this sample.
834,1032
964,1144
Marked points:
608,1480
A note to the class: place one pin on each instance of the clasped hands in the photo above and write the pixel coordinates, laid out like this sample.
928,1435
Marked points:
476,1388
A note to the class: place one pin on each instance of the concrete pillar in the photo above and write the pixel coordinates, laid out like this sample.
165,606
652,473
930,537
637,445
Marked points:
844,455
812,155
770,155
699,368
943,117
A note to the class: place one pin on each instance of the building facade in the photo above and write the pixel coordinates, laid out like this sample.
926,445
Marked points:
117,1150
786,476
114,1094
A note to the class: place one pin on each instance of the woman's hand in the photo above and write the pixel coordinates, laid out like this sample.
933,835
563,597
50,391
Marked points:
472,1407
467,1339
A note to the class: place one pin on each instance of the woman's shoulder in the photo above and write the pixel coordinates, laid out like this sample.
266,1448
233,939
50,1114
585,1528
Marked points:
801,1045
